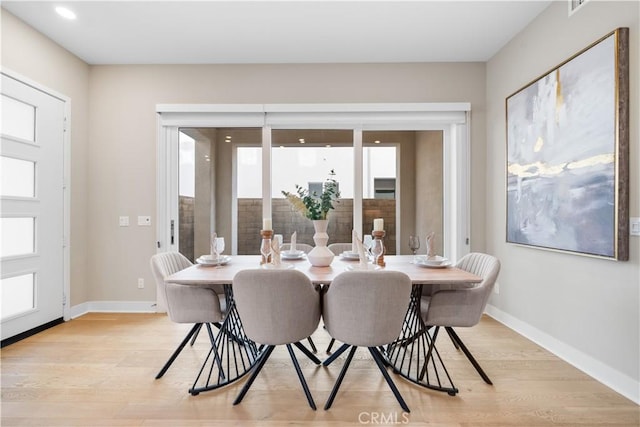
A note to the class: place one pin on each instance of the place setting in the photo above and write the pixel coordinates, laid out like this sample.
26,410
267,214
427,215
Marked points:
215,258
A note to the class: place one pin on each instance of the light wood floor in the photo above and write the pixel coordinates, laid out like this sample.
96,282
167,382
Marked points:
99,369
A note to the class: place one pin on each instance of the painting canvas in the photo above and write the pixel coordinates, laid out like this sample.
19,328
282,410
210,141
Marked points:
567,154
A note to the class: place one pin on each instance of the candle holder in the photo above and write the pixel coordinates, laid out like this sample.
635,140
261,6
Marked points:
379,235
266,234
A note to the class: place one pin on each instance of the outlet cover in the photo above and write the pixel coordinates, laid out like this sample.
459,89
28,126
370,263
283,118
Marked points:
144,220
634,226
123,221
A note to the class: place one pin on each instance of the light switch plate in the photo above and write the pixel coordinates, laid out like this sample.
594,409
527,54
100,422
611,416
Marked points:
144,220
634,226
123,221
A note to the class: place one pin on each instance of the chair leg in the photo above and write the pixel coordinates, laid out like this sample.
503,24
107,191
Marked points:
305,387
307,353
333,340
215,350
177,351
336,386
258,367
467,353
312,344
193,340
335,355
379,361
453,339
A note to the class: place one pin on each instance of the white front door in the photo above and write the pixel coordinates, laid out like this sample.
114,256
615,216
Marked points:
32,210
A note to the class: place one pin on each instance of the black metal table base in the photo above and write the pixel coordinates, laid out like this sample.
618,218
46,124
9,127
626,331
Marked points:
414,355
232,354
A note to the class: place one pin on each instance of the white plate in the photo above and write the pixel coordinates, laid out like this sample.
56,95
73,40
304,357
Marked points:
434,261
358,267
205,260
289,255
350,255
433,265
282,266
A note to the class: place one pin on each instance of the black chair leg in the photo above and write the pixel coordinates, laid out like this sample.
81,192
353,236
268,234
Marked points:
333,340
258,367
335,355
177,351
379,361
453,339
336,386
307,353
193,340
467,353
305,387
312,344
215,350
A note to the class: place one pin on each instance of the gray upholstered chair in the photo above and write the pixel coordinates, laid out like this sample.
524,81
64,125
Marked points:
451,308
367,309
299,246
277,307
338,248
185,303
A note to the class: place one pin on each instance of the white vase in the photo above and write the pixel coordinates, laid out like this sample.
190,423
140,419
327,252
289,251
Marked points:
320,256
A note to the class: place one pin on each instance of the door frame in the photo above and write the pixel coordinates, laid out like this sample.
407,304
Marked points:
66,184
453,119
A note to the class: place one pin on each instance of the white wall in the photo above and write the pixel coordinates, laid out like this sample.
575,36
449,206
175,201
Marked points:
587,309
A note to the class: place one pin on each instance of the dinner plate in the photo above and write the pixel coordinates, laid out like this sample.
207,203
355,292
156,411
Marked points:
206,261
358,267
350,255
294,255
435,260
282,266
434,265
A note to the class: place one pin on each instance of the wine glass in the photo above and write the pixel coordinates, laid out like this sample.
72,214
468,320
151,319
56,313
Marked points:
219,248
265,250
377,249
414,245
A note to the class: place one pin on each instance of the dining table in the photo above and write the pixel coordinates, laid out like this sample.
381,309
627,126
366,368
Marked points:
413,355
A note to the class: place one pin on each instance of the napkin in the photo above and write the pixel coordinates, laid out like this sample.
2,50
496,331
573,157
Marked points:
354,245
212,245
275,252
430,242
293,242
360,250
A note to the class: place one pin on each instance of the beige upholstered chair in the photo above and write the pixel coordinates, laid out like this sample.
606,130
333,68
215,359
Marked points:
367,309
451,308
185,304
277,307
299,246
338,248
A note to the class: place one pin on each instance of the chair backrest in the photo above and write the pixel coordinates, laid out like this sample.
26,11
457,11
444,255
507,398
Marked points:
366,308
338,248
464,307
165,264
185,303
276,306
299,247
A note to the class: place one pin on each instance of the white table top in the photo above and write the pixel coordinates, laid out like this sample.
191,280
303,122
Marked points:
206,275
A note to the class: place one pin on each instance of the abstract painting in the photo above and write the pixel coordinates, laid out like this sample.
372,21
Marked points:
567,154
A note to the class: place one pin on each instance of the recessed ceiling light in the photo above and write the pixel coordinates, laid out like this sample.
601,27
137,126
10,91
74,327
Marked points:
301,140
328,145
376,142
65,13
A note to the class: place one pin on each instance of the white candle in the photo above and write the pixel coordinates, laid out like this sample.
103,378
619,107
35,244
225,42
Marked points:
266,223
378,224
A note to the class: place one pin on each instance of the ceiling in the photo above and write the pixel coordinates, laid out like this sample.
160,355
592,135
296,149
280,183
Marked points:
241,32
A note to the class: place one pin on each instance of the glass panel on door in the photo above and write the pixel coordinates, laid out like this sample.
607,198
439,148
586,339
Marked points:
18,119
17,177
18,236
308,158
17,294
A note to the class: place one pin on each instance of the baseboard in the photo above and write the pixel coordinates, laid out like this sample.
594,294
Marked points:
113,307
605,374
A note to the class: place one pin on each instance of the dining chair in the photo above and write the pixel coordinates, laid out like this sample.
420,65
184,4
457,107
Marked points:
299,246
277,307
338,248
451,308
366,309
185,304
